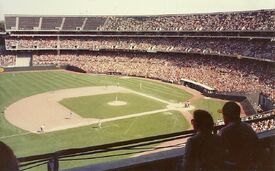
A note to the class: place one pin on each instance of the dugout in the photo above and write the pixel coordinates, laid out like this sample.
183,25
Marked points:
198,86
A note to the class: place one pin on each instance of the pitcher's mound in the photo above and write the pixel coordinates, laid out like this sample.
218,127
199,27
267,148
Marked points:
117,103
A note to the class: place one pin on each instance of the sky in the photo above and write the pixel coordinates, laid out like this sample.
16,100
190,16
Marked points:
128,7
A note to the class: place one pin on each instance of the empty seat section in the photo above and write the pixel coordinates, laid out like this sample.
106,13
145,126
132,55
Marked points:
28,23
93,23
10,22
51,23
73,23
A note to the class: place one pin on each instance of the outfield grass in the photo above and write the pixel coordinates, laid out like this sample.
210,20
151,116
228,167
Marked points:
97,106
161,91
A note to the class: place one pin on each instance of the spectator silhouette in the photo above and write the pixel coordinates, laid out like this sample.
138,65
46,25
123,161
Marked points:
203,151
8,161
239,139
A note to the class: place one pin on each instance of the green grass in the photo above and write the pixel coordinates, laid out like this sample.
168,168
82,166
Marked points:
162,91
15,86
97,106
211,106
120,130
137,126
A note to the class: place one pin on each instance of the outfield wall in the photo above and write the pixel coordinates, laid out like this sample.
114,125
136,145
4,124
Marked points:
32,68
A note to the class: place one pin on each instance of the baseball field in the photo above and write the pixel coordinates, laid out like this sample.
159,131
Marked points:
47,111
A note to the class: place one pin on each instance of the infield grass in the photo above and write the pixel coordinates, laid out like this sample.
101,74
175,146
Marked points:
97,106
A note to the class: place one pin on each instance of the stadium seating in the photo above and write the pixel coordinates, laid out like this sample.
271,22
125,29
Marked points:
28,23
231,21
51,23
94,23
237,75
10,23
259,49
7,59
73,23
221,73
233,64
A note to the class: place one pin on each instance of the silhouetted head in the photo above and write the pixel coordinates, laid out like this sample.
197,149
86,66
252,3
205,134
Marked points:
231,112
203,121
8,161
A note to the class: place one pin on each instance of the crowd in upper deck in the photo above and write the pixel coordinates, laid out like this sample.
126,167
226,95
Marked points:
235,47
229,21
253,20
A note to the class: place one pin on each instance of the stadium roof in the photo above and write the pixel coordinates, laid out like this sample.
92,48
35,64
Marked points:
128,7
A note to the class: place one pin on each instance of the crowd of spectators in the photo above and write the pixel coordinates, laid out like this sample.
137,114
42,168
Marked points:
249,20
261,20
235,47
7,59
258,126
264,125
221,73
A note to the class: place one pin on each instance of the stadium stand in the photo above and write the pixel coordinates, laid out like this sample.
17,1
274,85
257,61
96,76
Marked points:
259,49
244,75
250,20
51,23
94,23
29,23
2,29
7,59
223,74
263,125
214,53
257,20
73,23
10,23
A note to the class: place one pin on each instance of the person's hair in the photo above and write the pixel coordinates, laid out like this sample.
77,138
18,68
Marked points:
203,120
8,161
231,110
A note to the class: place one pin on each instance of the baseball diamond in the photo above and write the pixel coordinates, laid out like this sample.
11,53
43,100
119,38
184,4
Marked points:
79,82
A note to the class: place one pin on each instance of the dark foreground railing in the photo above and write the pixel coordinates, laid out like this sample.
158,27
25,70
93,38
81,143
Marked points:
52,159
172,159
